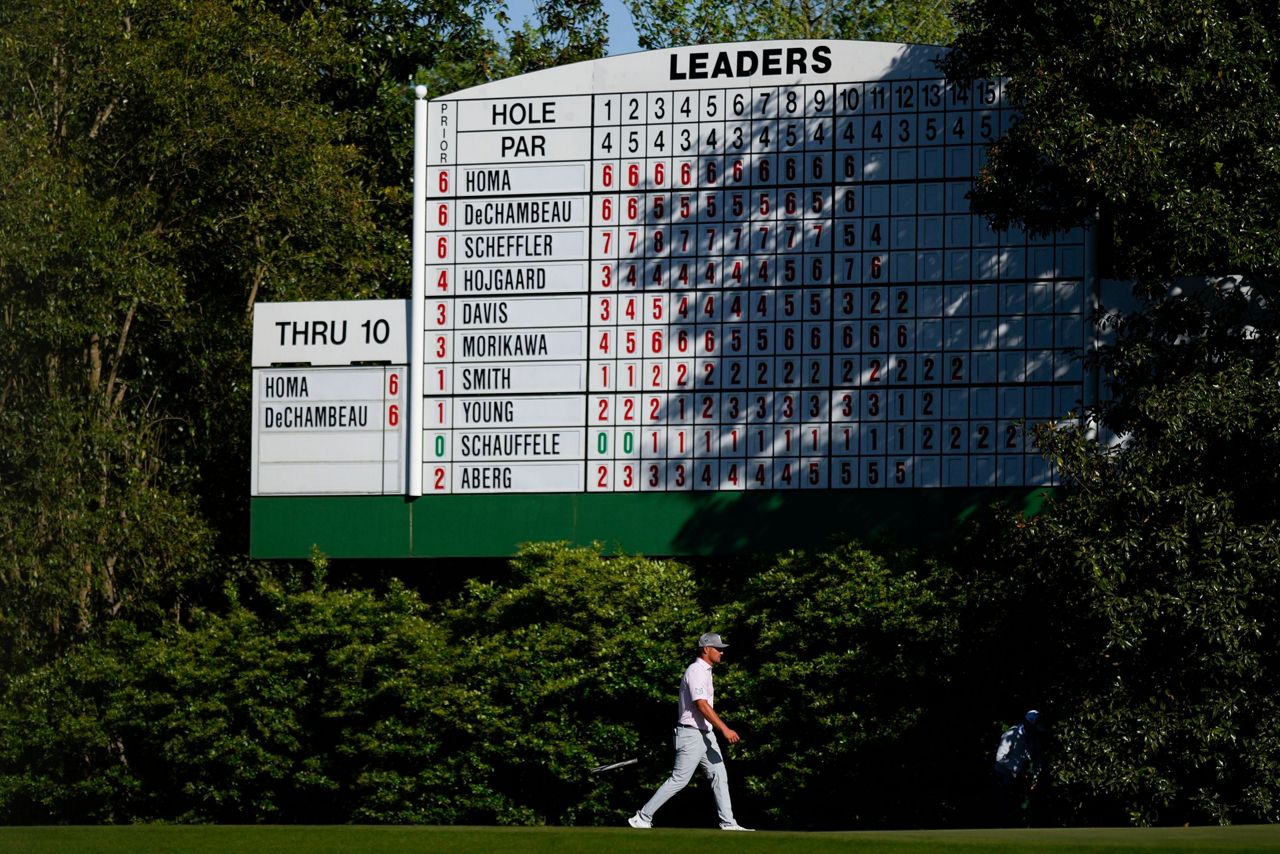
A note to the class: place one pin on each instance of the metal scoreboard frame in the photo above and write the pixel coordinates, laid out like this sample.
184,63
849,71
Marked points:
663,299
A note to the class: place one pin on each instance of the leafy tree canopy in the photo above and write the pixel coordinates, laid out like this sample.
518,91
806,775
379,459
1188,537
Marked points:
168,165
672,23
1159,117
562,31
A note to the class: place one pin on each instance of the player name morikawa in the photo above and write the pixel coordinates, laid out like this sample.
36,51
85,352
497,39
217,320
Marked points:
770,62
489,346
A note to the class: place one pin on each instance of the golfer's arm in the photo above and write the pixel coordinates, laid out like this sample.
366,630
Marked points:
710,714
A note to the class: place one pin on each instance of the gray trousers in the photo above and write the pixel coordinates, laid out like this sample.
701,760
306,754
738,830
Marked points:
694,748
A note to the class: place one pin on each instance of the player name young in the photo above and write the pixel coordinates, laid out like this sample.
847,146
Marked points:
519,412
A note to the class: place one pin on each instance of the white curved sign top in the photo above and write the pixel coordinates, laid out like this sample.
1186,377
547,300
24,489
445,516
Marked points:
720,66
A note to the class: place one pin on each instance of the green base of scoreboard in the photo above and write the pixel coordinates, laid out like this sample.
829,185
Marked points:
653,524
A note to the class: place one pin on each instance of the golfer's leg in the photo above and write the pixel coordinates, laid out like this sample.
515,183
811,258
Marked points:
689,750
713,764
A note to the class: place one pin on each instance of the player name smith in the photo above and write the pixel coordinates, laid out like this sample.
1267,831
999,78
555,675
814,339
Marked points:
486,379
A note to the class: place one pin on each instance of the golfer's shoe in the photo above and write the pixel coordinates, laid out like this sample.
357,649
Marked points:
736,826
639,823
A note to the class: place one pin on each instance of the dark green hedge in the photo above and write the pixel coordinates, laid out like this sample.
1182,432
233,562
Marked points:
869,690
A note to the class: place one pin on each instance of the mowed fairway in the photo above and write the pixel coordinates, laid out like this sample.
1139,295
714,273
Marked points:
144,839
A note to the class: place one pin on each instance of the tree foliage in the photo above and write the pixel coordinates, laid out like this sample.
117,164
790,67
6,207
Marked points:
843,676
168,169
1159,117
562,31
1148,593
1154,573
675,23
577,657
308,705
169,165
321,705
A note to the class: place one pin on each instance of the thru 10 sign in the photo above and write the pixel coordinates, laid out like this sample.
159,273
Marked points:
735,267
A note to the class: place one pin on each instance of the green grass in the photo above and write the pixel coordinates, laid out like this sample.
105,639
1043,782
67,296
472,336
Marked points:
171,839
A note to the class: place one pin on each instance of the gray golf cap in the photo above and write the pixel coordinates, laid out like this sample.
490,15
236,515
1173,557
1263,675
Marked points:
711,639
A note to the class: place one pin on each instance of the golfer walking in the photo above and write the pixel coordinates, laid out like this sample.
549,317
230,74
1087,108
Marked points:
695,738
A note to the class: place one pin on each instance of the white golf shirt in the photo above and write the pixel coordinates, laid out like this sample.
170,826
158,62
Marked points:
696,685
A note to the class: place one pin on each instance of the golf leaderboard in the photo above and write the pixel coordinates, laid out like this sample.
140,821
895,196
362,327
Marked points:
741,268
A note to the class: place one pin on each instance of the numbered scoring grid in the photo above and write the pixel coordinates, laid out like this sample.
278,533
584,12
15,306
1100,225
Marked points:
788,291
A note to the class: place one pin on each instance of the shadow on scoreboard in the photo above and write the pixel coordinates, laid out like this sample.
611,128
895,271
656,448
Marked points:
705,524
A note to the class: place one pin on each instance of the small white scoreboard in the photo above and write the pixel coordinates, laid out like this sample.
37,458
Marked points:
329,384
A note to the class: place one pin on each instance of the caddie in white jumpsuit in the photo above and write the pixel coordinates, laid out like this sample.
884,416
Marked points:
695,739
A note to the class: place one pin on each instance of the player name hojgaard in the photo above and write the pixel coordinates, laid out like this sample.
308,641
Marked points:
315,416
521,212
477,280
488,445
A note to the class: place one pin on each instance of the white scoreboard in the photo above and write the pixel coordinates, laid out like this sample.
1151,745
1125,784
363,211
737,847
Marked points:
329,384
733,267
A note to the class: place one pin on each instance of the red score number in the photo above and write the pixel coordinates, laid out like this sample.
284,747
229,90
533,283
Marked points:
393,390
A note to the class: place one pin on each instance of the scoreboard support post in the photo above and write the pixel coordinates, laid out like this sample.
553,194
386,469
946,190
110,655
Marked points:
416,323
